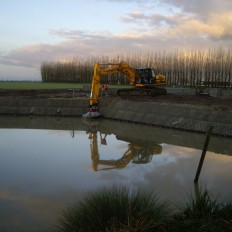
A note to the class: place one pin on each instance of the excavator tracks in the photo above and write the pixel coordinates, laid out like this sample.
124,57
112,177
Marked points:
155,91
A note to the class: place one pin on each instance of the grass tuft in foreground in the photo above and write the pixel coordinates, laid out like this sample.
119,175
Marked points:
116,209
119,210
203,214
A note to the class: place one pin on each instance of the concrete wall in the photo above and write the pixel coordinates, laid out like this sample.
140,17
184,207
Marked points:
51,107
178,116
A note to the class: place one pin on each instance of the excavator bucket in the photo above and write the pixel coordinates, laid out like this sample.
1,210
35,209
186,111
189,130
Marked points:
92,115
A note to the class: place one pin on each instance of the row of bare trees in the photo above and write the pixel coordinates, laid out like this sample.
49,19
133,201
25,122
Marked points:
192,68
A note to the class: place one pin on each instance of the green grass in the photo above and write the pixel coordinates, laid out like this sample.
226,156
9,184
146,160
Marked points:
14,85
38,85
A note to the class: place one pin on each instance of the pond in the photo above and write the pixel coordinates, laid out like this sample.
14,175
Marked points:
47,164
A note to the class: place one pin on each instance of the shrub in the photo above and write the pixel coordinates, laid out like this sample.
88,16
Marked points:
119,210
203,214
116,209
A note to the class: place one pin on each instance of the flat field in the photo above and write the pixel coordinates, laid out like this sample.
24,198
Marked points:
18,85
38,85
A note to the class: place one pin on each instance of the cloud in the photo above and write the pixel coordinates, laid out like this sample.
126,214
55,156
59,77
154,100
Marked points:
169,34
27,56
196,7
184,25
132,1
221,25
216,26
210,19
74,34
134,17
199,7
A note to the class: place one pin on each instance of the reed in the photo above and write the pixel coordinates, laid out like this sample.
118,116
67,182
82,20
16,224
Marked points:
118,209
203,214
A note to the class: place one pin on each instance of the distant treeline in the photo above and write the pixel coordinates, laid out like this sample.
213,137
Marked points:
192,68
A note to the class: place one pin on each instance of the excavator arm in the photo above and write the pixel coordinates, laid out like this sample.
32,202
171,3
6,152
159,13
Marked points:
122,67
98,72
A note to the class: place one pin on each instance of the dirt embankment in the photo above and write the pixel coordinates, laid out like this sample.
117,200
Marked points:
175,110
223,102
180,98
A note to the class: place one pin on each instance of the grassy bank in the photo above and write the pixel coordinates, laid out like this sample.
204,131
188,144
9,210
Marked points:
38,85
18,85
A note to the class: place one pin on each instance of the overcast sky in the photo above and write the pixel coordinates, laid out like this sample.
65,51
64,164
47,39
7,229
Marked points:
36,31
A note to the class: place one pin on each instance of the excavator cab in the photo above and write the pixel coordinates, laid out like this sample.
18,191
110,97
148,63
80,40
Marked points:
144,154
148,76
144,75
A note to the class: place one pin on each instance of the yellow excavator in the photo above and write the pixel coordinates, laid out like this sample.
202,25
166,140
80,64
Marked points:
138,153
145,81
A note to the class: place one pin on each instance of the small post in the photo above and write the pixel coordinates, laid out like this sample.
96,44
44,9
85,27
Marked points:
197,192
203,154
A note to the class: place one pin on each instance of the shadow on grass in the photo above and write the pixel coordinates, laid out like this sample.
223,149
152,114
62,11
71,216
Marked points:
118,209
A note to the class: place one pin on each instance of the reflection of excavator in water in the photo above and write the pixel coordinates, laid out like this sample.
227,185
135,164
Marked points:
137,153
144,80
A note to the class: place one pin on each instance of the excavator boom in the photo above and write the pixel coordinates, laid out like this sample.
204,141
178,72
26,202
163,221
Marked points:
98,72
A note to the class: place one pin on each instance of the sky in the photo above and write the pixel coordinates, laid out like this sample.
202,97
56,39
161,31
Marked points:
37,31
